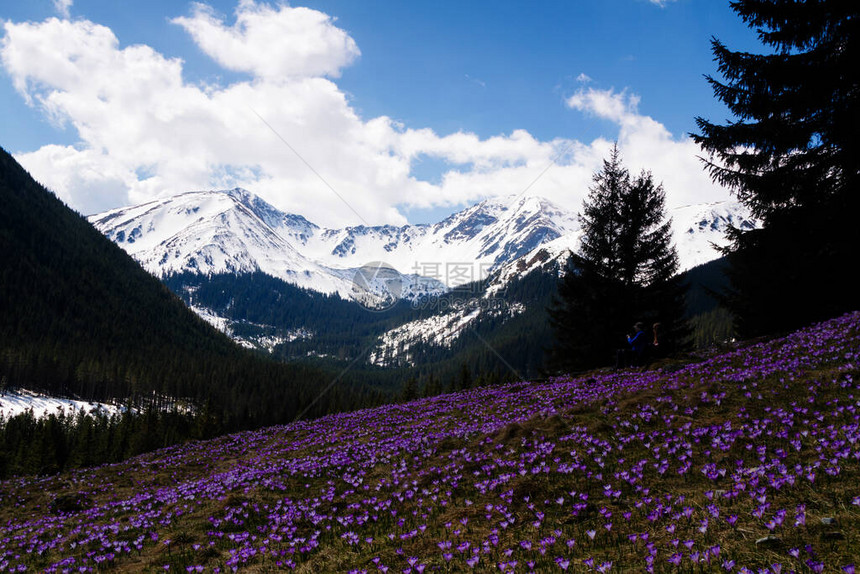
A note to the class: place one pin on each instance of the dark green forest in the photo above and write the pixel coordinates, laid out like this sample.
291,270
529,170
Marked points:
81,319
257,303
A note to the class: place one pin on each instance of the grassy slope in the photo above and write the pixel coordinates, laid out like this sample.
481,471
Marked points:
623,471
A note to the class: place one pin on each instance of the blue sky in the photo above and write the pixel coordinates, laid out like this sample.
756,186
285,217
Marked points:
408,109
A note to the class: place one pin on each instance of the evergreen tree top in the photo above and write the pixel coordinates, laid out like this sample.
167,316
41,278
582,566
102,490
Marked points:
793,142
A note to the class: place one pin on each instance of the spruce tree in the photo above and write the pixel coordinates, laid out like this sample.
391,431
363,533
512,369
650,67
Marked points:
791,155
624,271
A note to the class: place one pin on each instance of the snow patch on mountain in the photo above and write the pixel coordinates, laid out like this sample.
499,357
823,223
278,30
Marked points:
394,347
19,401
220,323
700,230
267,340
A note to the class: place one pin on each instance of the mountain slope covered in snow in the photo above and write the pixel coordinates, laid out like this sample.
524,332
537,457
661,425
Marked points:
234,231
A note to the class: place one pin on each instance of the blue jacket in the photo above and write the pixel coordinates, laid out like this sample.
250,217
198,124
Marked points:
637,341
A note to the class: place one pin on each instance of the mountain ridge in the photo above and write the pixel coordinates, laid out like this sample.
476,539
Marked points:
236,231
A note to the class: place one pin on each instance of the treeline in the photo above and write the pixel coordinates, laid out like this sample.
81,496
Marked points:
62,441
57,442
242,389
154,420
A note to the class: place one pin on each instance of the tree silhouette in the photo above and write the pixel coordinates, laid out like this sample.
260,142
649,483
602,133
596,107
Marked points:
791,155
625,270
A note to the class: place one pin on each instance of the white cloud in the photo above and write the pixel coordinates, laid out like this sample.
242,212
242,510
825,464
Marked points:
85,179
272,43
605,104
144,131
647,144
62,7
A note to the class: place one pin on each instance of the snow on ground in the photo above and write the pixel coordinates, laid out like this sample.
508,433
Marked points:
212,318
394,345
18,401
267,342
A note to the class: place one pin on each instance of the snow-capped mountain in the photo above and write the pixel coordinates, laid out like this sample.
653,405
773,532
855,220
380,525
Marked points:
697,230
464,247
235,231
495,241
213,232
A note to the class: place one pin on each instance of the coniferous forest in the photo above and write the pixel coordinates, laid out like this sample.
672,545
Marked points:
81,319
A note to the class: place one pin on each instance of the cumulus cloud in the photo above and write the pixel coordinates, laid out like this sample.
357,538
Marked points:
145,131
647,144
606,104
272,43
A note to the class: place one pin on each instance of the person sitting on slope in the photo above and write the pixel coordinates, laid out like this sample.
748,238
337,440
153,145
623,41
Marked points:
638,344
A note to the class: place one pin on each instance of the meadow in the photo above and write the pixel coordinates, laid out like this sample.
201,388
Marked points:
742,461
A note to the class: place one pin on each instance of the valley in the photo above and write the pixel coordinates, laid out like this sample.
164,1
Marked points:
429,287
211,248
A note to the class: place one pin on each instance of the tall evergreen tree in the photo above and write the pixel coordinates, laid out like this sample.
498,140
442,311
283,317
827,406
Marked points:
625,271
791,155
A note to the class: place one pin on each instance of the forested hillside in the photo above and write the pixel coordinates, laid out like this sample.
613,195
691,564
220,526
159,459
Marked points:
303,323
81,318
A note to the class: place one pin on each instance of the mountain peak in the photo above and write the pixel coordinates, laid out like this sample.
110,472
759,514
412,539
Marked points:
235,231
